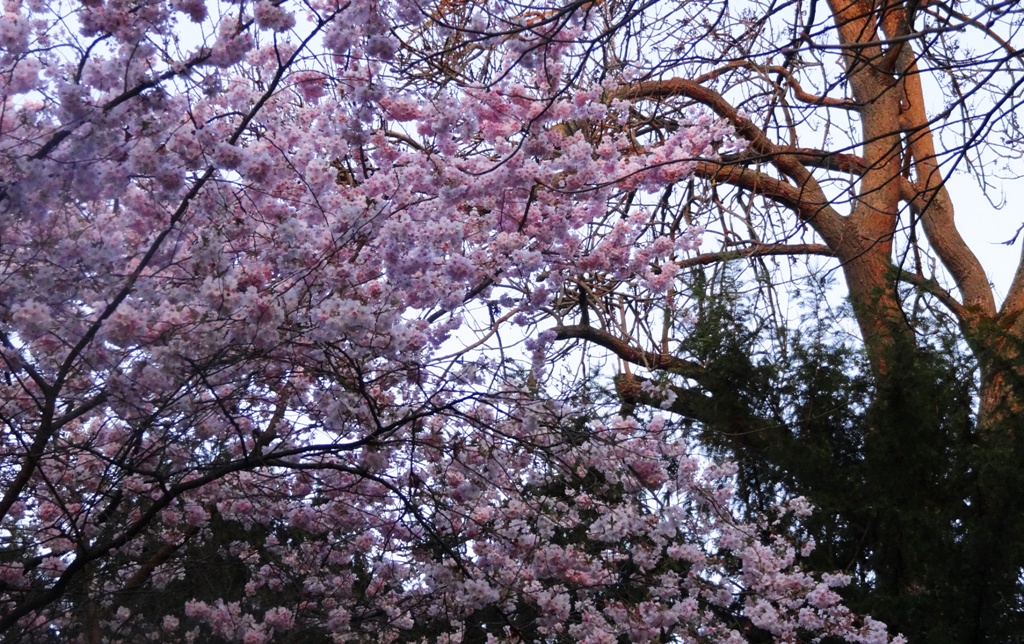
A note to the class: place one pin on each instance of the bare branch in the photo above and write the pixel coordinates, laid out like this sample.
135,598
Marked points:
629,353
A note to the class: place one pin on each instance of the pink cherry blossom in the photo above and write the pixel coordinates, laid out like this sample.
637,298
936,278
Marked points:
269,303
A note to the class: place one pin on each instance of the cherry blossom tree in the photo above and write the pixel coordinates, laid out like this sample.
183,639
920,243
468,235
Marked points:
249,393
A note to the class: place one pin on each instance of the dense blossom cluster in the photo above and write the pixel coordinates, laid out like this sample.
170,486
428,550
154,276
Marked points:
236,243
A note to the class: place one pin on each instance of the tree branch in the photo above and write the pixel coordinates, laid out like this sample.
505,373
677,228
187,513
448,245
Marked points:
814,205
622,349
798,91
756,250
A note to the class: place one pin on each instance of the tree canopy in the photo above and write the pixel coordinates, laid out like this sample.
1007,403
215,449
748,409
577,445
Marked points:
481,321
